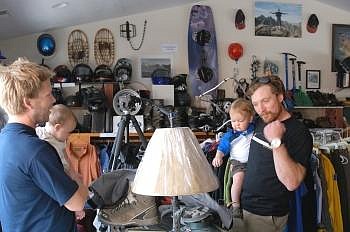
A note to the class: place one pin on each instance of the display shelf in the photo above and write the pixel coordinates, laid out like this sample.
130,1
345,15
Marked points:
333,113
133,137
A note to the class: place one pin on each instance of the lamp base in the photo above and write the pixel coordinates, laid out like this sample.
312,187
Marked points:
176,214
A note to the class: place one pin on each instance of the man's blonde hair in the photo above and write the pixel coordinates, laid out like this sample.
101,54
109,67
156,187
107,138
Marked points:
22,79
60,114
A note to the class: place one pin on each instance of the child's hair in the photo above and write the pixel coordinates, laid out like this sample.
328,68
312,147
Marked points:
243,106
60,114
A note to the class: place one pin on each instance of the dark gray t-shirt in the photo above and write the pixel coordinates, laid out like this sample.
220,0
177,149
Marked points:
263,193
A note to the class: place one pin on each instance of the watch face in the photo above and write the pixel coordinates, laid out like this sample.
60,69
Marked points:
275,143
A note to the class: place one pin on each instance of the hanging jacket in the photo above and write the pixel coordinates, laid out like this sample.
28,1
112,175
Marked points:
332,194
83,159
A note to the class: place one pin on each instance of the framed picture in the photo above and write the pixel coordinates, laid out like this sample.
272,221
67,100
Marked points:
340,48
278,19
149,64
313,79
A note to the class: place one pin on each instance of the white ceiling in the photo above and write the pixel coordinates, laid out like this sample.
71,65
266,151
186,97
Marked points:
34,16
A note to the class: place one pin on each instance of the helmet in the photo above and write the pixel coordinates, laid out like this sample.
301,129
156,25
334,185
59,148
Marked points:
103,73
161,76
240,20
46,44
62,74
235,51
312,23
179,82
93,98
73,100
122,70
82,73
58,95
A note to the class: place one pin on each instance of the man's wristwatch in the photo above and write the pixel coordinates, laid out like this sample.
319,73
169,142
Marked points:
275,143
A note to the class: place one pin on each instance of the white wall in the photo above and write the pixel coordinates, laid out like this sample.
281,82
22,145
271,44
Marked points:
170,26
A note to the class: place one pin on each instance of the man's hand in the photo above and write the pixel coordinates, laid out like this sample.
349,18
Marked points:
273,130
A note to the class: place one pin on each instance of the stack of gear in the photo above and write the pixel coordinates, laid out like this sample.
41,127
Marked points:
202,122
82,73
181,97
73,100
161,76
93,98
58,95
301,98
181,116
62,74
147,116
323,99
158,117
103,73
122,70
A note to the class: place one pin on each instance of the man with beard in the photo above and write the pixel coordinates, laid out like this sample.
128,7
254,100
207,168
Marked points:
35,193
278,157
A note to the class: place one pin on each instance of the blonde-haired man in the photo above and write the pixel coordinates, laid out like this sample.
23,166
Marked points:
35,193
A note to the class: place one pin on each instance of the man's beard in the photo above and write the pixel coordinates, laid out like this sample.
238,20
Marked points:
270,116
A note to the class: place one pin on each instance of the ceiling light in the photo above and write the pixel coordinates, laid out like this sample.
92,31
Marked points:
59,5
4,13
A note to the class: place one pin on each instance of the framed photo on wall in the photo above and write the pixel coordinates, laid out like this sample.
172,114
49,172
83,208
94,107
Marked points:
149,64
340,48
278,19
313,79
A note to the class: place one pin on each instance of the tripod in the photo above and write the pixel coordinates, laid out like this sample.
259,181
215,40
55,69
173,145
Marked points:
117,144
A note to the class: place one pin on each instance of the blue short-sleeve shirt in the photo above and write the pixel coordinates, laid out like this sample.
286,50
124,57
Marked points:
33,184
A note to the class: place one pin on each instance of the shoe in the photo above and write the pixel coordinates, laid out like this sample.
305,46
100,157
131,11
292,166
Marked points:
135,210
194,214
237,212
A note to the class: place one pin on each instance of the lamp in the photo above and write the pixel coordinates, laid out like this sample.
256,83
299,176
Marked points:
174,164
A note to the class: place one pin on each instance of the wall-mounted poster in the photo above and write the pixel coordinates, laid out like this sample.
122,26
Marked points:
149,64
340,48
278,19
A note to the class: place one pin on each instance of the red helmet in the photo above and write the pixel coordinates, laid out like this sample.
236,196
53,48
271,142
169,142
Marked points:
235,51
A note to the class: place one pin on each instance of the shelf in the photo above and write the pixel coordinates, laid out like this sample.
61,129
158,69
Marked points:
318,107
133,137
74,84
333,113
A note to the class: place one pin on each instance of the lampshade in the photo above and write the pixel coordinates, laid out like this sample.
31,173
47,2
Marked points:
174,164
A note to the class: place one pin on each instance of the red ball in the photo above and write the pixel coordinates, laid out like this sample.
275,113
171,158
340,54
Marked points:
235,51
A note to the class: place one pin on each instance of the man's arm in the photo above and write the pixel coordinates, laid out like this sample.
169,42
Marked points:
289,172
77,201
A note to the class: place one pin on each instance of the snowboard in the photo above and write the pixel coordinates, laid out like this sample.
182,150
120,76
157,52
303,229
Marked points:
202,51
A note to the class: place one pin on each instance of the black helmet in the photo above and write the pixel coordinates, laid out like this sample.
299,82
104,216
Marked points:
93,98
103,73
58,95
122,70
82,73
240,20
73,100
62,74
180,82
